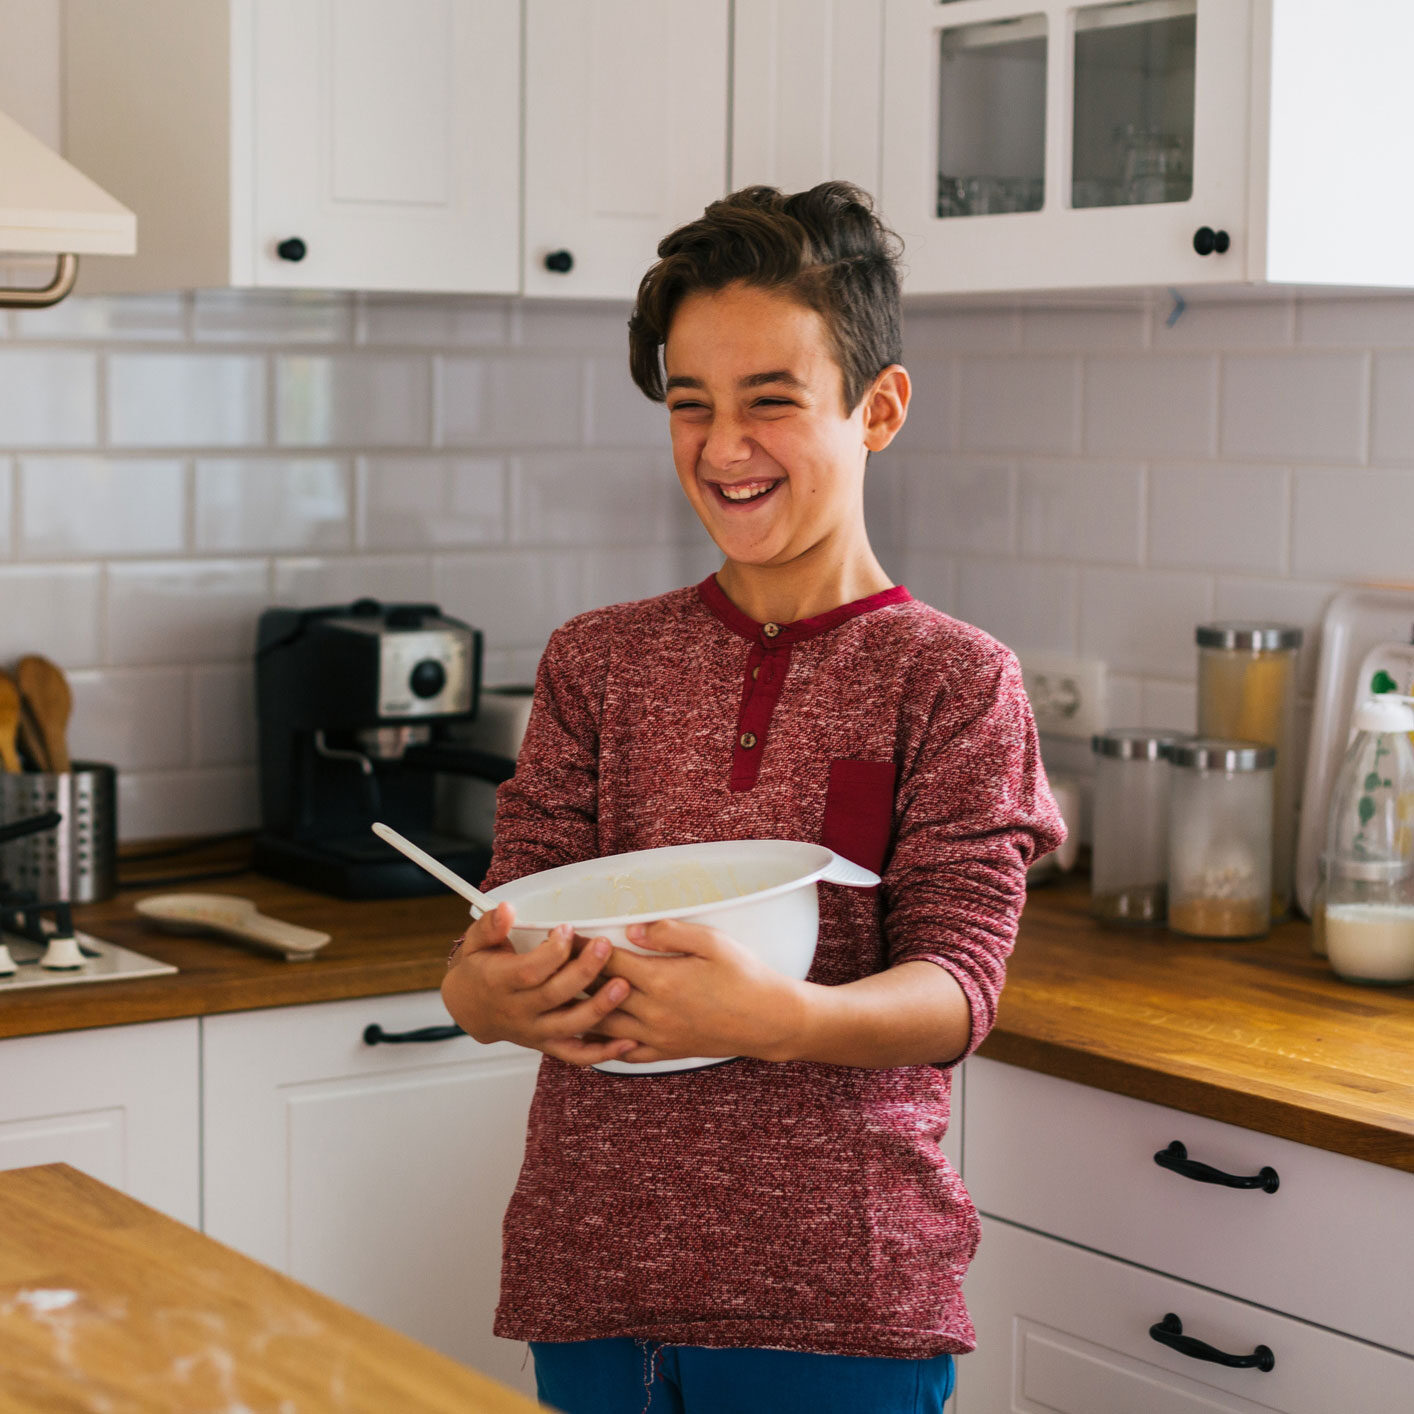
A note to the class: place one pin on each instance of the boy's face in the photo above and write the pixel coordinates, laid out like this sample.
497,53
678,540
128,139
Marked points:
764,449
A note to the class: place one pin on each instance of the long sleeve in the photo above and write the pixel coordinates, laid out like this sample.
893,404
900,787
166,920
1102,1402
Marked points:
974,812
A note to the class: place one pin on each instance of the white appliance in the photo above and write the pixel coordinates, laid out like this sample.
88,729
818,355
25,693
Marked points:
48,207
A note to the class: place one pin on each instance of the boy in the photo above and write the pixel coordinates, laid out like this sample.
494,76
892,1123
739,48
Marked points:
780,1233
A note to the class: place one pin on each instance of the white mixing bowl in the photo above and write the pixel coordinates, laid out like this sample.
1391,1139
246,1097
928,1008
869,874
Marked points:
760,893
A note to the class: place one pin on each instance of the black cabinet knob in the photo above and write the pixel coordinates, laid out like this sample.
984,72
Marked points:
560,261
428,678
1207,241
292,249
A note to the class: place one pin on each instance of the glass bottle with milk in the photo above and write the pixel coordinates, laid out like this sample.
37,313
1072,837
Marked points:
1369,923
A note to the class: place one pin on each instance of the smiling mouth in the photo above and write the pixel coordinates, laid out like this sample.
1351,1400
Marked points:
747,491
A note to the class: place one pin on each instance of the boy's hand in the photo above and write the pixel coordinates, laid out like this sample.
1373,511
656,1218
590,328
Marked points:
496,994
713,998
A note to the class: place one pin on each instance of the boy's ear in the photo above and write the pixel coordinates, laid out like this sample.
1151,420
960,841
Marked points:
886,407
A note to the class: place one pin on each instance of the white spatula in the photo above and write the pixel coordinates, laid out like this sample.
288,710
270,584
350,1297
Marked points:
439,871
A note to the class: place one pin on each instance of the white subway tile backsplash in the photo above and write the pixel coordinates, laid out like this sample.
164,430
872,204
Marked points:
509,667
48,398
562,325
960,503
87,507
1392,409
182,804
1024,404
620,415
599,498
1353,523
517,599
137,719
930,576
1219,517
1045,329
410,503
1082,511
223,715
512,401
307,582
1219,323
436,321
184,611
7,500
1365,322
931,425
353,400
55,610
1142,621
186,399
1297,406
154,317
637,574
247,504
886,500
1157,405
961,331
270,317
1020,602
1169,706
1124,694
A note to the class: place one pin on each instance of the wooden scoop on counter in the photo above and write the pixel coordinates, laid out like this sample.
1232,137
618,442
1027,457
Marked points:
229,916
45,695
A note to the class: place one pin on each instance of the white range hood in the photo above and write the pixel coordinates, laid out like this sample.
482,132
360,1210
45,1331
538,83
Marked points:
48,207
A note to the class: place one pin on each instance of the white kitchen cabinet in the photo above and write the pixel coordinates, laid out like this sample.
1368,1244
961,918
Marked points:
1063,1318
377,1174
1068,1331
119,1102
324,144
625,135
1035,145
806,96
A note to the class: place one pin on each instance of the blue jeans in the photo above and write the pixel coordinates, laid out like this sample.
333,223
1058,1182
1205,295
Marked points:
624,1376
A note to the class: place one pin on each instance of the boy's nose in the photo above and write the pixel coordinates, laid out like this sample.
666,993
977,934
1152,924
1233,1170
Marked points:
727,444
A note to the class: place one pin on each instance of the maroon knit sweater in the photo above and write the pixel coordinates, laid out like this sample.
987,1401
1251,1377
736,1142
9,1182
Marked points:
798,1206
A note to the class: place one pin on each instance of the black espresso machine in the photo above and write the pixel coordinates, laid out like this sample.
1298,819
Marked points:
354,703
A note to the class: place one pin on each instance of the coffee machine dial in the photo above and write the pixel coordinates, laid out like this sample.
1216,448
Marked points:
424,673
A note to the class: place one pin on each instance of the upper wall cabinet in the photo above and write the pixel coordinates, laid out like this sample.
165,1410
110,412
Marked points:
625,135
806,92
1054,145
326,144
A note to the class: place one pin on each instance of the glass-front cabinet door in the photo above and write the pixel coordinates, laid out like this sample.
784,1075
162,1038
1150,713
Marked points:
1057,145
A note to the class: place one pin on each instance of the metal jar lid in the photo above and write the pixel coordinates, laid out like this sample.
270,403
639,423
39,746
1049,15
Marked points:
1214,754
1249,637
1135,743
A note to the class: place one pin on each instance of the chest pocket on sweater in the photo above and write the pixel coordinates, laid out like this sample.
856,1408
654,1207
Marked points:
859,811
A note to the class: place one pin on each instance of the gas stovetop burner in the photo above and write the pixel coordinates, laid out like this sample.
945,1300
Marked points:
102,962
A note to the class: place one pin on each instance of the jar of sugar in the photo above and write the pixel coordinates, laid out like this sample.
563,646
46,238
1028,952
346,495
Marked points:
1369,913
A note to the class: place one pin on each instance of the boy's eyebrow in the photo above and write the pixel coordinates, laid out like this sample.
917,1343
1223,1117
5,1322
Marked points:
753,380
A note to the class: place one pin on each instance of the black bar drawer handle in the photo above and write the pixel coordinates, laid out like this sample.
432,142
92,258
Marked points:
1175,1157
375,1035
1169,1332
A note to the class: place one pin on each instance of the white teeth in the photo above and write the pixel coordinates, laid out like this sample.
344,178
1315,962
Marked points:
745,493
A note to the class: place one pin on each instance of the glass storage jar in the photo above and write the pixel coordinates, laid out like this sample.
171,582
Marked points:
1220,838
1247,692
1129,863
1369,882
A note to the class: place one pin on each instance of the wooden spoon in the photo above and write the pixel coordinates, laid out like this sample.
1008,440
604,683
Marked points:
45,690
9,722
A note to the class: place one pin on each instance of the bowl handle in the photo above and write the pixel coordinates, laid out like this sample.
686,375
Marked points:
845,871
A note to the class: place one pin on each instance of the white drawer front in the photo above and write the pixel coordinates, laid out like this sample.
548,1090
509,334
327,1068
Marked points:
1064,1331
1334,1244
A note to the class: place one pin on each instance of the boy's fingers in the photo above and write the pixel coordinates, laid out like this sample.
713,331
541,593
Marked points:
491,930
589,1014
536,967
578,974
577,1052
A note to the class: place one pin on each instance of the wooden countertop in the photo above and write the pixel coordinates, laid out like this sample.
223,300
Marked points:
108,1305
1258,1034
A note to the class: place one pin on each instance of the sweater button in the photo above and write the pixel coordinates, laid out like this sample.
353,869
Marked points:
748,740
770,630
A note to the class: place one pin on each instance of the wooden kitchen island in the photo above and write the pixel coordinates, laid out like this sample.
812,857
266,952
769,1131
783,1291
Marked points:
106,1304
1258,1034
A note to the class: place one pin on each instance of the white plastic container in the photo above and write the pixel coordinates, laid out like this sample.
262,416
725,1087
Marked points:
761,893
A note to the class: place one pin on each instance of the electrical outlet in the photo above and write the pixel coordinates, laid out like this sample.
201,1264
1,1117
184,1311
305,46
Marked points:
1068,695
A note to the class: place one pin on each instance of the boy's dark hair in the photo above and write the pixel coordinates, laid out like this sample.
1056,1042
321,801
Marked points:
824,248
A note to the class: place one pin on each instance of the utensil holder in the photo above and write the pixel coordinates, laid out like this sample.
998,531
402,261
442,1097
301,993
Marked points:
77,861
